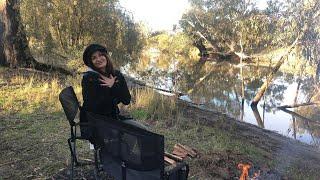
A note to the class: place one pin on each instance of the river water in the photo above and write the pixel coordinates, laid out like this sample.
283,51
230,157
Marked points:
220,87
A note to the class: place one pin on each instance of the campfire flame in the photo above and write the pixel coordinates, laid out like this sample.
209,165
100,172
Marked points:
245,170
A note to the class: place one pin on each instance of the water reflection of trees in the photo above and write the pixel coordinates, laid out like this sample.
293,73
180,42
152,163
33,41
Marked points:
311,126
305,119
218,86
221,88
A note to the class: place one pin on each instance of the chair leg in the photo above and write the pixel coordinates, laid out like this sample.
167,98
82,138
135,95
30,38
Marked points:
97,167
74,160
72,147
96,172
72,168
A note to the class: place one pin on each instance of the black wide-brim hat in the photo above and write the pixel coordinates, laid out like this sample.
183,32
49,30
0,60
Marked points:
92,48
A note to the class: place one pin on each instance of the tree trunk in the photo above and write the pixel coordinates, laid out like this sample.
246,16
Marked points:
257,116
14,49
281,61
271,75
2,57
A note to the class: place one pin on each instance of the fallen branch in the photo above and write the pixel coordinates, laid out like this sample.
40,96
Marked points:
298,105
140,83
48,68
299,116
257,116
275,69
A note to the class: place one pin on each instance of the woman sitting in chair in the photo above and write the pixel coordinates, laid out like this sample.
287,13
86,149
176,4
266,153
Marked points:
103,88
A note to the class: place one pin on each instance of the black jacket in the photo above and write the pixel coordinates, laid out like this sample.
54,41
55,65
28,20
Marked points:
101,99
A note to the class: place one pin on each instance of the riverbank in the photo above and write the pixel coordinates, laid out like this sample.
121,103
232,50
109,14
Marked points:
34,131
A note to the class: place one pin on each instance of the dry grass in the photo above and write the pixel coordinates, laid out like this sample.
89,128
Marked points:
33,130
152,105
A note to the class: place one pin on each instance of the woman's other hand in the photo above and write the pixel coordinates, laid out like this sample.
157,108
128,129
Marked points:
109,82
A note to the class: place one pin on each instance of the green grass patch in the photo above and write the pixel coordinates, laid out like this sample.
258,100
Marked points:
140,114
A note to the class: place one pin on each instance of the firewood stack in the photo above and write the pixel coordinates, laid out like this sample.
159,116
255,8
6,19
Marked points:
179,153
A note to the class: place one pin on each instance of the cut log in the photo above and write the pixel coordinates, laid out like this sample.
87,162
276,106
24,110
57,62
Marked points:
169,160
178,151
172,156
192,152
183,151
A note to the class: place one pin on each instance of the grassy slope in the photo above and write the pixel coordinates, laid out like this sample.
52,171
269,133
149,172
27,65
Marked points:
33,131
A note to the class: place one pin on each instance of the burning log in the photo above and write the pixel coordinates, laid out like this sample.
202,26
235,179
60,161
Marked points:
245,170
183,151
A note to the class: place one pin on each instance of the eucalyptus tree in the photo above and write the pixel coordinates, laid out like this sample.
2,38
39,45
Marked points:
223,26
14,48
65,27
302,22
226,27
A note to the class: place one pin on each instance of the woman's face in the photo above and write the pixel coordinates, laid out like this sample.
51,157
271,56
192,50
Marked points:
99,61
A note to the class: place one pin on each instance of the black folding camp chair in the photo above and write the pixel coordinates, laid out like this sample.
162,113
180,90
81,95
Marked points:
71,107
133,153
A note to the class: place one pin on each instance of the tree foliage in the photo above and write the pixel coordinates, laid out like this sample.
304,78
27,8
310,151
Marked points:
225,25
168,51
65,27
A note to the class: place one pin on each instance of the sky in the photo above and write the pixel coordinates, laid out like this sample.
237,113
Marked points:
161,14
156,14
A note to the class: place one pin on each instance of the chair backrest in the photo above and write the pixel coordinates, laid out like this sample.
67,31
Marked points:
139,149
70,103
